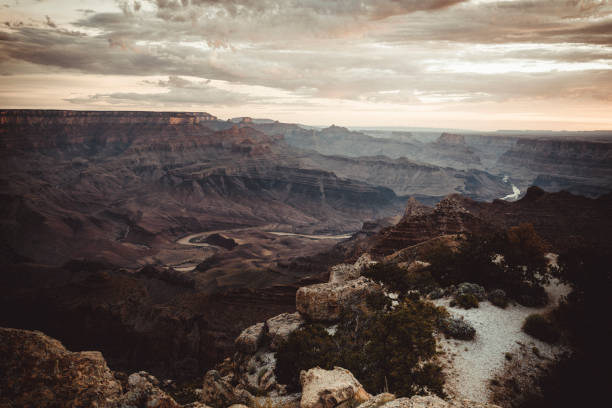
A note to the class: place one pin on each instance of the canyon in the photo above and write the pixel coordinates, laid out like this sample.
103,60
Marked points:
156,237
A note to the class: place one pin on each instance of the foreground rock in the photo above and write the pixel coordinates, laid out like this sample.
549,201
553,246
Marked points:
250,339
345,272
281,326
325,302
143,392
434,402
218,391
330,388
38,371
256,373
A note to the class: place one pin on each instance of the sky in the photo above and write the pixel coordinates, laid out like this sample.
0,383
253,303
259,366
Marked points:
471,64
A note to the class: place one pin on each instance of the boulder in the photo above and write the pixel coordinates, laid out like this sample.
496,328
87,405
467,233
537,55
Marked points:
325,302
345,272
143,391
38,371
256,373
377,400
281,326
330,388
250,339
284,401
218,391
196,404
431,401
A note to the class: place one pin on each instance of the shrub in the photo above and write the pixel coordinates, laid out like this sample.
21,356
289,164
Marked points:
522,264
541,328
398,279
457,328
307,347
466,301
530,294
383,349
498,298
467,288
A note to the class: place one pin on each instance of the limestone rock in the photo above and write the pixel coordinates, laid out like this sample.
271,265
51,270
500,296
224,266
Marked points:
345,272
218,391
434,402
330,388
38,371
326,301
143,392
281,326
250,339
284,401
377,400
196,404
256,373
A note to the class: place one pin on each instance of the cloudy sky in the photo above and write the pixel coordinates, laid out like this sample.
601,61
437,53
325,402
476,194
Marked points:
476,64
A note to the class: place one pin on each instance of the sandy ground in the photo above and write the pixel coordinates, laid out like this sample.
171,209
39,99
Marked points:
470,365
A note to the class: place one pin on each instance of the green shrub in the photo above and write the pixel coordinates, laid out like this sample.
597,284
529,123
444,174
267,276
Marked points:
498,298
392,349
466,301
541,328
522,264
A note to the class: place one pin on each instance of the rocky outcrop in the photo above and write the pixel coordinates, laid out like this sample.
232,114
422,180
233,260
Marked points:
250,339
38,371
218,392
330,388
345,272
449,217
143,391
281,326
256,373
325,302
434,402
582,166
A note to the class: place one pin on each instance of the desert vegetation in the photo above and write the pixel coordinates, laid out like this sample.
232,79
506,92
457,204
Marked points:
513,261
387,350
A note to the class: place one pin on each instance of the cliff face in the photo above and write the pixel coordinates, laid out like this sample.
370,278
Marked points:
579,166
560,218
422,224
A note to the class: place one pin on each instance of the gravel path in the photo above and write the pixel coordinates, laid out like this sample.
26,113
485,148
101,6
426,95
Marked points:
471,364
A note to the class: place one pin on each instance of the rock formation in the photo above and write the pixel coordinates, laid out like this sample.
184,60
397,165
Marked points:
38,371
281,326
325,302
330,388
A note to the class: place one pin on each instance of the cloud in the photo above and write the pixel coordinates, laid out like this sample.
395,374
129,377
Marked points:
180,91
367,52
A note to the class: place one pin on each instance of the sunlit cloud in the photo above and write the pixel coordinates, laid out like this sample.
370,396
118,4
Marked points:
520,63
